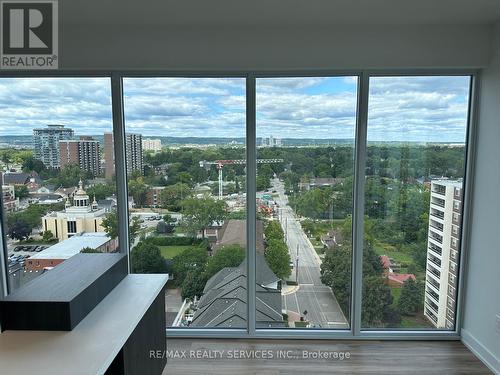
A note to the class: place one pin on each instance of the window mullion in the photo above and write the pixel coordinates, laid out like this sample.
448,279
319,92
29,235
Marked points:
120,160
358,209
251,163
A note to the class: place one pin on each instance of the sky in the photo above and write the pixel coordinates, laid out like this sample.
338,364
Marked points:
421,109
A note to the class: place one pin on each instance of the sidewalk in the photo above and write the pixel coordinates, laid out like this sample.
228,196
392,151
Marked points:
289,289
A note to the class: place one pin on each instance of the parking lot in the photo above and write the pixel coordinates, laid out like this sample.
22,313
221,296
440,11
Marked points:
19,254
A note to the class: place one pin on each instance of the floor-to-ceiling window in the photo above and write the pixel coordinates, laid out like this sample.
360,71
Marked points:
414,184
185,165
56,199
185,161
305,152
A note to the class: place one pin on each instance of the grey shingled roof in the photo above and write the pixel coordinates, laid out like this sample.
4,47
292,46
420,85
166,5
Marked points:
16,178
20,178
223,303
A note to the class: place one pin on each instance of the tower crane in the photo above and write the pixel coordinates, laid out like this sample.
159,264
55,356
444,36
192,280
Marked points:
221,163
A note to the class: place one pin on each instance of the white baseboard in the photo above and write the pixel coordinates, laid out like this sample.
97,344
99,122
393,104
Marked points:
486,356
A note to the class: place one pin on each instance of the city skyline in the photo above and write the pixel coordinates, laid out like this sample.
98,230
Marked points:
417,109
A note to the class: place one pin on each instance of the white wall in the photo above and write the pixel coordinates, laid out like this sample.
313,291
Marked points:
244,48
482,298
345,47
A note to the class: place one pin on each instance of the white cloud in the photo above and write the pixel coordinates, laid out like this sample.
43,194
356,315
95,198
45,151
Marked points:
418,109
287,84
401,108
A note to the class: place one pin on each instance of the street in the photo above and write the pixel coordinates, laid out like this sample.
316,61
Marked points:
312,296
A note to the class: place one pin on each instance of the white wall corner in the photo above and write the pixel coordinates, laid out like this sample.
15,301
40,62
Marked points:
485,355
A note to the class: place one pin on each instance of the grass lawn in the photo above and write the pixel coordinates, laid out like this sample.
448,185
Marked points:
169,252
417,321
396,293
389,250
322,227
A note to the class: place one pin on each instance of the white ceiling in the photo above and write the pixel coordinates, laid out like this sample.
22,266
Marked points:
279,13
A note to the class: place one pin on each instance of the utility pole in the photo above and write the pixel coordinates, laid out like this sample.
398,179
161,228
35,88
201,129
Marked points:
297,266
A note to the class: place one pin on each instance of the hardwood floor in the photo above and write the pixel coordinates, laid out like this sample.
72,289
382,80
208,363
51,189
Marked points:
365,357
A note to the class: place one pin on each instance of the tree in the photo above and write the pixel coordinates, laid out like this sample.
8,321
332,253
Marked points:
167,218
278,258
291,181
19,230
21,191
133,229
262,183
47,236
147,258
391,317
193,285
192,259
336,273
185,178
163,227
89,250
274,231
110,224
172,195
138,190
226,256
192,270
5,157
376,294
412,296
30,164
199,213
70,176
101,191
315,203
376,297
32,215
167,225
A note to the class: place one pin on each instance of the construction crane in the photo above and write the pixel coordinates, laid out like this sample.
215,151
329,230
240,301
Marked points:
221,163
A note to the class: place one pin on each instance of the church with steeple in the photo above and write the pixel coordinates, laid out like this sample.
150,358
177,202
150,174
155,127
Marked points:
81,215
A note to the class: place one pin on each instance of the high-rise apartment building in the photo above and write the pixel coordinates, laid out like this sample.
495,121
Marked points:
133,151
46,144
271,142
443,247
84,152
133,148
151,144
